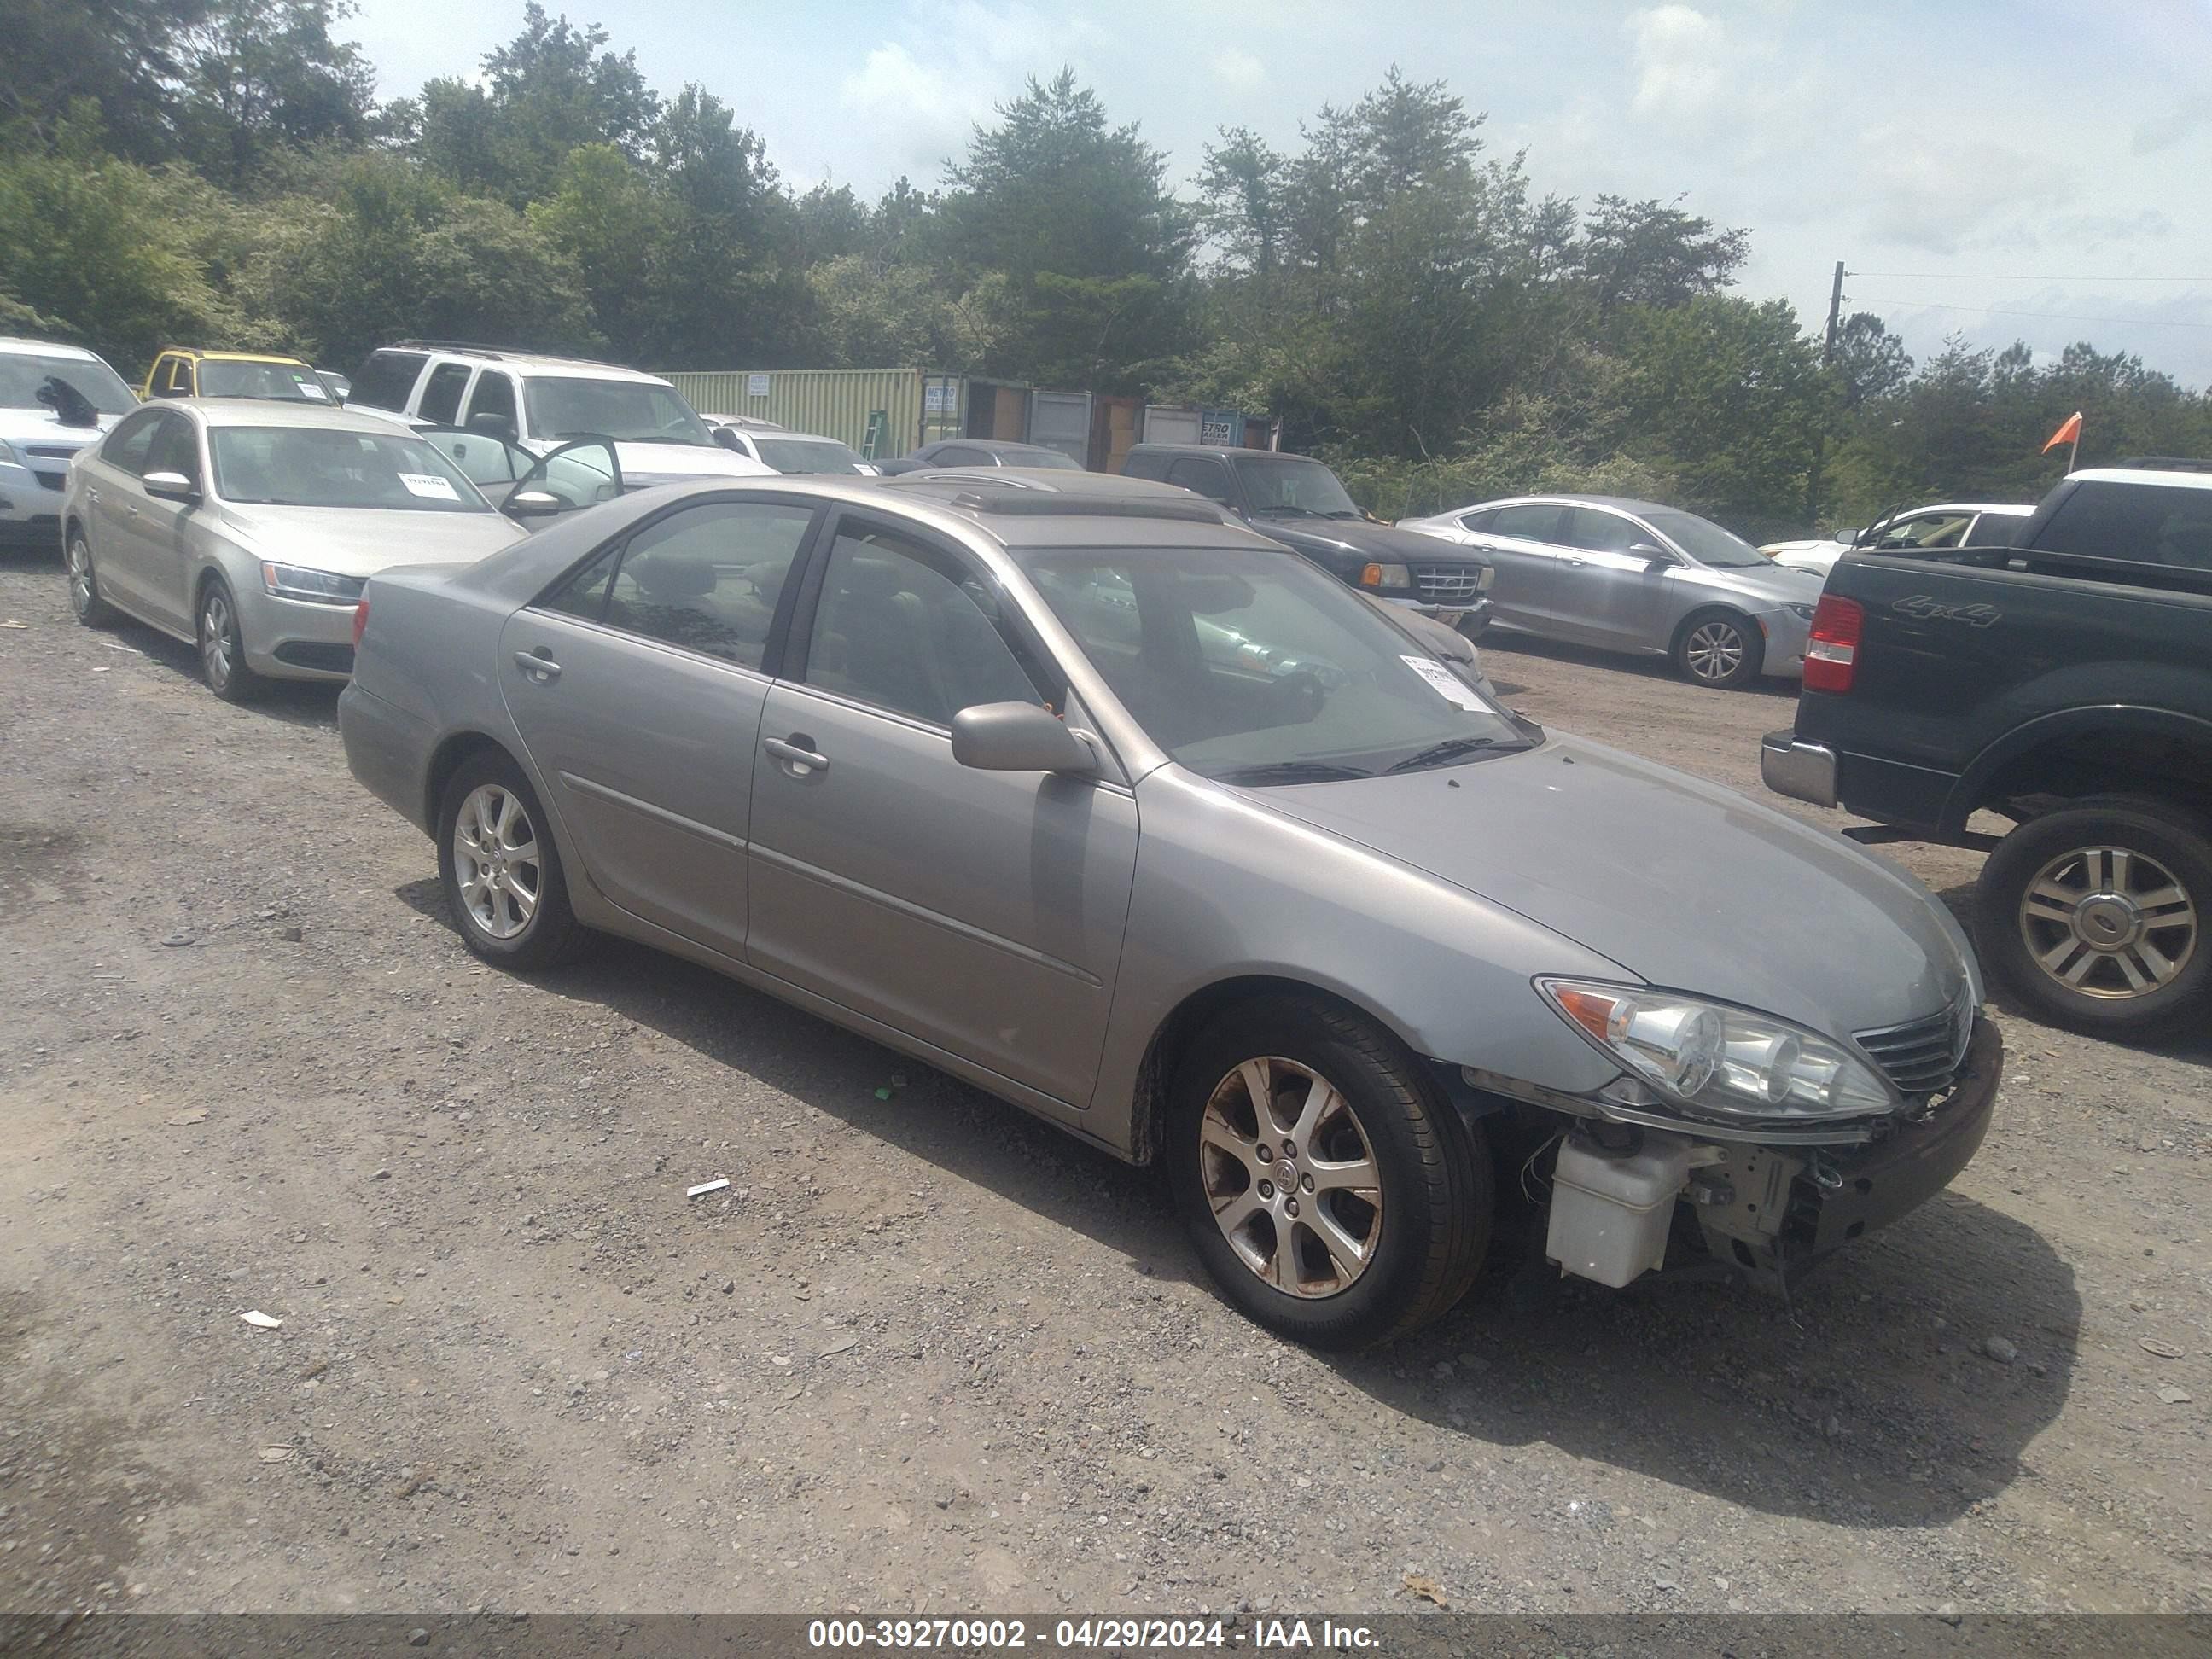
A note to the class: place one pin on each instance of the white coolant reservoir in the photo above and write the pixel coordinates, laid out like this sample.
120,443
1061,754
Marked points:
1610,1211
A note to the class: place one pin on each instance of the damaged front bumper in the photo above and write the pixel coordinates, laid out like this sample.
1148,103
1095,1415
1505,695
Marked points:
1630,1201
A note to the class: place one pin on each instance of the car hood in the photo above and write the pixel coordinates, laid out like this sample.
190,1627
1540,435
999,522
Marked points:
40,426
1691,885
1763,584
644,464
1355,538
361,541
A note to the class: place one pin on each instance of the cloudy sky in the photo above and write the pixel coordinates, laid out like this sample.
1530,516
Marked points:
2004,169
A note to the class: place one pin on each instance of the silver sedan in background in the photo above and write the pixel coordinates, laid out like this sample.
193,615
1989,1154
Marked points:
249,528
1630,575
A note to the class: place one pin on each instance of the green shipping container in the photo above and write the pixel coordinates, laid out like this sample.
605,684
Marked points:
837,403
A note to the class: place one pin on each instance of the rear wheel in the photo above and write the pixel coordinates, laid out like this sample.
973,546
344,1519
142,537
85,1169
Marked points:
1719,648
500,871
1335,1196
85,599
2094,915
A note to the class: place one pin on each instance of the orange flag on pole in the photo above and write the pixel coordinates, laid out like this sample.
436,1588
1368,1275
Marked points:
2069,432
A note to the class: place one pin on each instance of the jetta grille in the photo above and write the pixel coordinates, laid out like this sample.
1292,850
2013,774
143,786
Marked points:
1449,583
1921,1057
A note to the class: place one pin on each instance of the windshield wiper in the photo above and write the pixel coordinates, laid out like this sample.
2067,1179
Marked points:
1297,771
1286,507
1438,753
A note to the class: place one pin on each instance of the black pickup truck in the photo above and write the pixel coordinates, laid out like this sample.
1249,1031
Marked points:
2064,683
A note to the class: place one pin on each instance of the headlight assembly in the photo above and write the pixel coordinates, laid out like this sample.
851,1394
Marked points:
1802,612
292,582
1717,1059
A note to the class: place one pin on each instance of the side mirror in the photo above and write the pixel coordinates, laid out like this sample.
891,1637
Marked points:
533,504
498,426
171,486
1646,551
1018,737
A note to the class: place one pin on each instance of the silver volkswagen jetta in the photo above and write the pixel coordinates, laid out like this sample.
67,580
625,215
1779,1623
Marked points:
250,527
1364,960
1632,575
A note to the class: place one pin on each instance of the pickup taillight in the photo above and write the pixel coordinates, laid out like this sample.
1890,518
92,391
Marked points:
1833,652
360,621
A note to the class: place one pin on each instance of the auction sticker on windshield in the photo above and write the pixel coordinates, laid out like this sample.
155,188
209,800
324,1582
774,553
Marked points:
1449,686
429,486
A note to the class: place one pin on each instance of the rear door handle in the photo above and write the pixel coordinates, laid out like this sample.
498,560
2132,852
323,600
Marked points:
797,751
541,670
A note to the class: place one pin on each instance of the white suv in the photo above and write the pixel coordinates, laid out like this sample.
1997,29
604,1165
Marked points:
540,402
40,436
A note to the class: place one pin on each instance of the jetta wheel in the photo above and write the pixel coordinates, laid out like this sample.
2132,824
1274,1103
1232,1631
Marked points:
85,599
1335,1195
2094,914
1719,649
223,647
501,872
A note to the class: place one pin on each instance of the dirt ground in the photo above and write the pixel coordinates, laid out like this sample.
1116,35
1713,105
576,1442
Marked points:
924,1353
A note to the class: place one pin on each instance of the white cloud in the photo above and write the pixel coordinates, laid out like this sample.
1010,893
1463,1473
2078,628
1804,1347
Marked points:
1234,67
1680,60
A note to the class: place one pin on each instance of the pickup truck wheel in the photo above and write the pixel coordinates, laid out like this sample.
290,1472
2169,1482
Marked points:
2095,915
1719,648
500,871
1335,1196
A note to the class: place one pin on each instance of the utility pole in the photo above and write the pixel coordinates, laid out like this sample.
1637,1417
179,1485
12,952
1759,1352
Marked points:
1820,429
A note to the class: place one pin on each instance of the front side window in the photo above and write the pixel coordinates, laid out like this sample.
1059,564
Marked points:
1252,666
317,466
386,378
173,378
1704,540
1596,530
1293,486
176,448
21,374
896,630
706,578
127,447
1206,476
1536,521
294,383
493,395
630,411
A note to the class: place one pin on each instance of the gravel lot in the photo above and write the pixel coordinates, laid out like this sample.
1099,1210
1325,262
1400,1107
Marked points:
926,1352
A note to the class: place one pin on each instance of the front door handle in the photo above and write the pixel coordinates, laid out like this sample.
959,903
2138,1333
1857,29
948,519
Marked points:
797,751
543,670
1574,564
92,497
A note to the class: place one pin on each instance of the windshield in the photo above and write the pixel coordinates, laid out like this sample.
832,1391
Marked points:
289,382
19,376
807,455
630,411
315,467
1294,486
1702,539
1049,460
1251,666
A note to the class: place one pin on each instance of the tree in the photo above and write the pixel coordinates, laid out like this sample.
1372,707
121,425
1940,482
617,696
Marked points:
1869,361
120,54
1652,253
258,74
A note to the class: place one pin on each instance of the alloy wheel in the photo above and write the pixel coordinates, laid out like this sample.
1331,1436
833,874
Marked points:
1290,1175
1715,650
2108,923
497,863
215,624
82,590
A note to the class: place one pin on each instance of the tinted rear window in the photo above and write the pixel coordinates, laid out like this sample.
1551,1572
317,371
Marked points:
386,378
1154,465
2144,524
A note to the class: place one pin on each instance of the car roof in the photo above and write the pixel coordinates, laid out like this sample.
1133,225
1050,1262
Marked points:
201,353
994,445
1057,479
270,412
528,362
20,346
1223,451
1618,503
2141,475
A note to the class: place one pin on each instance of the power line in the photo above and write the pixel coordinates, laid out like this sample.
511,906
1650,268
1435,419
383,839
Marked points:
2051,316
2016,277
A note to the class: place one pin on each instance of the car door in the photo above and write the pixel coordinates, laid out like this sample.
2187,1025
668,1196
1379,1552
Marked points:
1522,544
1606,592
113,498
490,462
160,538
637,684
980,912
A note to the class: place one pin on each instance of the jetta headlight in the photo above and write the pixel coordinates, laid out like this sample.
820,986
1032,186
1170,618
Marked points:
1720,1058
292,582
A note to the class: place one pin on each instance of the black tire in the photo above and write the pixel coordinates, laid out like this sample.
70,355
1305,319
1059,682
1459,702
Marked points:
2167,846
85,598
221,646
1424,1242
1701,666
1473,627
550,933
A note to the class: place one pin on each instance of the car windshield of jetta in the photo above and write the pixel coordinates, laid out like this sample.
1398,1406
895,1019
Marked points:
564,406
290,466
1251,666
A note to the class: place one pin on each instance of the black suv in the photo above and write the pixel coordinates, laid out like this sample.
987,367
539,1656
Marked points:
1298,502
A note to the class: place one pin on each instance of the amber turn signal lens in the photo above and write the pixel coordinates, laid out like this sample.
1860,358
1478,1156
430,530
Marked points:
1593,1012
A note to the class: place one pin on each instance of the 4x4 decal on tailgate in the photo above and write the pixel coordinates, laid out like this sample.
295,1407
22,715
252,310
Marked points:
1927,609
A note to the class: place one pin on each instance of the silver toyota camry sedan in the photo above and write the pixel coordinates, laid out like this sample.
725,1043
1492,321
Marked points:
1134,819
1630,575
249,528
